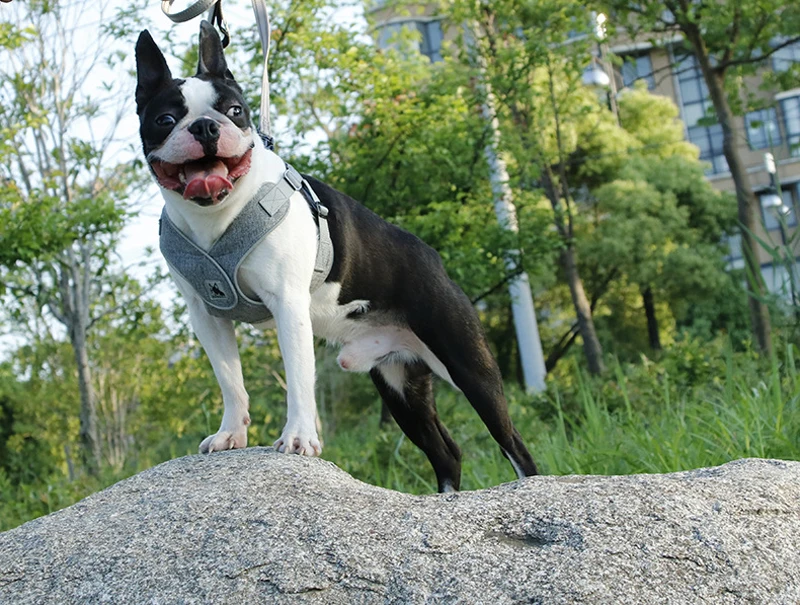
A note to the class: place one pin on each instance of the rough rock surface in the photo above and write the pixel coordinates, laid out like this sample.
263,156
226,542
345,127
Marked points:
254,526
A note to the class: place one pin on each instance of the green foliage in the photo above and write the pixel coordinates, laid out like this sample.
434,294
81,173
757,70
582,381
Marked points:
407,138
654,122
659,226
701,406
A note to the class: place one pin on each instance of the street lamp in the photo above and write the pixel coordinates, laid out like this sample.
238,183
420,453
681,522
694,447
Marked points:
600,74
772,202
594,76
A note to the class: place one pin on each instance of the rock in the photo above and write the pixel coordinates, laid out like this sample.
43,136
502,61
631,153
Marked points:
254,526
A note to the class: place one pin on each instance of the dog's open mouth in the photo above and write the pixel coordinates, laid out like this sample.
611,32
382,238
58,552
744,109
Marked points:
206,181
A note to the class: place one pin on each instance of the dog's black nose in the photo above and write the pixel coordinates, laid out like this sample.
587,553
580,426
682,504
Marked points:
204,130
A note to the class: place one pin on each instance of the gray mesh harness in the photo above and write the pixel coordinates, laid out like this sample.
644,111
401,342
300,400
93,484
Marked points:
214,274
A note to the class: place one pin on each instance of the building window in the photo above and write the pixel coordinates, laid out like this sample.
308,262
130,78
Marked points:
762,128
735,247
790,109
695,105
638,67
784,58
430,32
431,44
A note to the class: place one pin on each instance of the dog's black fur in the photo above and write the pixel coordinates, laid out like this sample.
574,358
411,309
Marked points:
403,277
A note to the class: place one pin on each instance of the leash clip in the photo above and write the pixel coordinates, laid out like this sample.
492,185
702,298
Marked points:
268,141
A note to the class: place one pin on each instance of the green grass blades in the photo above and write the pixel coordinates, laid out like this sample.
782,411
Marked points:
701,404
643,418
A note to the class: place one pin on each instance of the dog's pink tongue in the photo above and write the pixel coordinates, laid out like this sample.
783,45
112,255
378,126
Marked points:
207,181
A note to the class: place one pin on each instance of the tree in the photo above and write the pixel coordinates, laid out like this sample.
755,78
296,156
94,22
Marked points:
641,195
729,40
536,76
658,227
649,207
63,194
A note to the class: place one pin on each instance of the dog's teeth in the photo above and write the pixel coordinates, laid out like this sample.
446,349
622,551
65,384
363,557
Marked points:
182,177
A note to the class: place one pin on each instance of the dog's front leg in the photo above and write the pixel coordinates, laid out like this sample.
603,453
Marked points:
296,340
219,341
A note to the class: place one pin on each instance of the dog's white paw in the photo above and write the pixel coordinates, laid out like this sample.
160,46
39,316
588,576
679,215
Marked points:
224,440
296,440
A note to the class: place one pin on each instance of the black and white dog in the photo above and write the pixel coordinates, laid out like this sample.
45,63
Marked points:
387,300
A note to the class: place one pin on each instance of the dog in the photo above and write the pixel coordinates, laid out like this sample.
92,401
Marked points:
385,298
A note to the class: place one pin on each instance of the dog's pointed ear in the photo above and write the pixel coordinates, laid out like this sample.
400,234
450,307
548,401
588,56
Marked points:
152,71
211,58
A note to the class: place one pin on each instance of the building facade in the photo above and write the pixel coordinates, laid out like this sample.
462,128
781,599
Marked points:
773,129
668,71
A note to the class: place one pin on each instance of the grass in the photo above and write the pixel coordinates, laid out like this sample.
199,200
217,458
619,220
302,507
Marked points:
700,405
641,420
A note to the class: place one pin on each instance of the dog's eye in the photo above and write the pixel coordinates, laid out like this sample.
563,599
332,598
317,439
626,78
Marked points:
234,111
165,119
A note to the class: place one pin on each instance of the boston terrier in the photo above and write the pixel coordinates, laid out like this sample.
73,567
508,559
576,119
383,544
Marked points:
385,299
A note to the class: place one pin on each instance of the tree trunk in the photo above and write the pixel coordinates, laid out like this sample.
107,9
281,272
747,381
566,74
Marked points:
748,206
583,310
89,436
74,299
652,321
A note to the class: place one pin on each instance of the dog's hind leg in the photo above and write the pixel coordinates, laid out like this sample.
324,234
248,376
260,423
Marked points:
483,388
455,336
407,390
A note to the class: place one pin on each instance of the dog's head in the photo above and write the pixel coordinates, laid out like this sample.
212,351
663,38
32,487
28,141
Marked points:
196,132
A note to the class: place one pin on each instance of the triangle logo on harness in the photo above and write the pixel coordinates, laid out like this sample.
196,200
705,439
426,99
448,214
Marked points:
214,289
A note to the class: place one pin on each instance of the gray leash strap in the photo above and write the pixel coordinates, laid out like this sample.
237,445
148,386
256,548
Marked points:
190,12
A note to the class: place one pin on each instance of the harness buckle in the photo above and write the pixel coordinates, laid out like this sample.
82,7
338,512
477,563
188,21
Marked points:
293,177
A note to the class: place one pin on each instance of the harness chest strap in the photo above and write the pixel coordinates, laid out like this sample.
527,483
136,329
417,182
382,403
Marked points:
214,273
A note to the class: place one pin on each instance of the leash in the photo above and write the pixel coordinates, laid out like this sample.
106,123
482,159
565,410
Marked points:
213,8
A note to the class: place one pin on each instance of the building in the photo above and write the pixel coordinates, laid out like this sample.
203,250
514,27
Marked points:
775,128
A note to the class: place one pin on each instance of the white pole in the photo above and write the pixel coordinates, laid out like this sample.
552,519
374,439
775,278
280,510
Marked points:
528,341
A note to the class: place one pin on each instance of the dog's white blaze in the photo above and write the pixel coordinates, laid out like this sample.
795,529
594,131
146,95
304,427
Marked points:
200,97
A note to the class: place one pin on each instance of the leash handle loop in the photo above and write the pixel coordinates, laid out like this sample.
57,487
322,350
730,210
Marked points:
190,12
214,16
